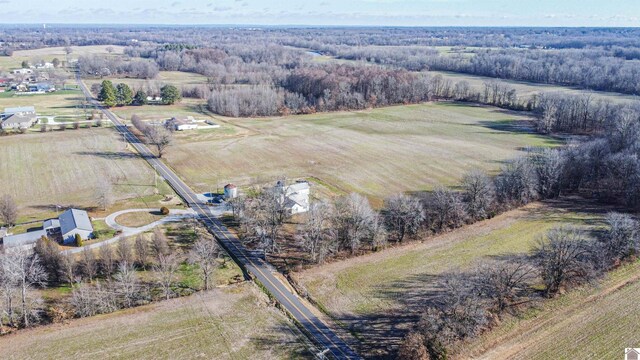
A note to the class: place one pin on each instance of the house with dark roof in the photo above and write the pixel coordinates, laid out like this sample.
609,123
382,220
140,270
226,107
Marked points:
72,222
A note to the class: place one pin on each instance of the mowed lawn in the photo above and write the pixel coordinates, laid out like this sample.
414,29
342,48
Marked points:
65,168
374,152
378,296
231,323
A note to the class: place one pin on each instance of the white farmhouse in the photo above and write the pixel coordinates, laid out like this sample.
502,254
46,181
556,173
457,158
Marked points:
182,123
296,196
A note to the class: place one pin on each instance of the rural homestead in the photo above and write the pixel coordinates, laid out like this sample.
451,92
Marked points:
412,180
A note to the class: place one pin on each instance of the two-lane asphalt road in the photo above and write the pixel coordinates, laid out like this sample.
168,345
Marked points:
315,328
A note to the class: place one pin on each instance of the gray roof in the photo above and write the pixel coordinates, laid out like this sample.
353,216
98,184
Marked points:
20,119
51,224
23,239
73,219
22,109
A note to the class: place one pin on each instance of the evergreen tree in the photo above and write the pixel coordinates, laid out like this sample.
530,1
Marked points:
140,98
107,94
78,239
124,95
170,94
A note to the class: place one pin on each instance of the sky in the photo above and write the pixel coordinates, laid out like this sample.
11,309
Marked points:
625,13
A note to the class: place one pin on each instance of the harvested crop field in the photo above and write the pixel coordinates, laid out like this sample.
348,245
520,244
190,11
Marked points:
374,152
230,323
65,168
378,296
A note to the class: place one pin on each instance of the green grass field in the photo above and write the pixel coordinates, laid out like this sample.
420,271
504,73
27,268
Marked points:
383,290
65,168
66,102
230,323
375,152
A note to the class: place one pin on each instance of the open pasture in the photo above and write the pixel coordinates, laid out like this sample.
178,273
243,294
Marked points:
66,167
376,152
229,323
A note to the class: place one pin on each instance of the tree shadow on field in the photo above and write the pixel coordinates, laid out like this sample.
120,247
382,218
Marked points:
507,126
275,340
381,333
59,208
109,155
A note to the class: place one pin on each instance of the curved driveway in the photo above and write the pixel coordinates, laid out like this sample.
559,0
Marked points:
301,311
174,216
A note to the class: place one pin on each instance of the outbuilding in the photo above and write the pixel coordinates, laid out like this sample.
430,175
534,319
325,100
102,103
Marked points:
230,191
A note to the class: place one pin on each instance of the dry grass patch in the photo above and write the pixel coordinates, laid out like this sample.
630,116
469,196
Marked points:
231,323
375,152
138,218
65,168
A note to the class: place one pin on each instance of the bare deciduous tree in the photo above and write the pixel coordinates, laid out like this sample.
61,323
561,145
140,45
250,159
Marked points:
354,221
446,208
8,210
478,194
107,260
159,137
126,284
505,282
165,270
403,215
563,258
67,268
89,264
104,193
317,234
621,239
204,253
142,250
124,251
160,243
23,271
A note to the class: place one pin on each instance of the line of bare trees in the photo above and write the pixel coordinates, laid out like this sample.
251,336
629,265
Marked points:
102,281
472,301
